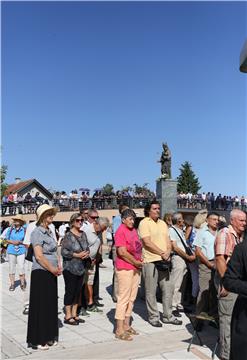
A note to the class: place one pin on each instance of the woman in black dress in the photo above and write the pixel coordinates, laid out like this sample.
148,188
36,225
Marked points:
235,280
43,308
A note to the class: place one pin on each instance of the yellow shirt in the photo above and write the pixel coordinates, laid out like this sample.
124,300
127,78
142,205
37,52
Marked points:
158,233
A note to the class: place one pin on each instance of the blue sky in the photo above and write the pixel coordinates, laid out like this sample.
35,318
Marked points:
90,91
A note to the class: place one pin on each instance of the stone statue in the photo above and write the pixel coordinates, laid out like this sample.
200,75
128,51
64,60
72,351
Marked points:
165,161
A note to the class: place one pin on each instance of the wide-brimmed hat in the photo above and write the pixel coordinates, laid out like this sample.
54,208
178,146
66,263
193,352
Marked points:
19,218
43,208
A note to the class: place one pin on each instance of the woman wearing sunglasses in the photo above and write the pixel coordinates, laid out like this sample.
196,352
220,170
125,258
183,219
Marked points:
75,253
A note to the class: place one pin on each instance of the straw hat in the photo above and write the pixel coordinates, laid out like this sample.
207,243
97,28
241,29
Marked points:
43,208
19,218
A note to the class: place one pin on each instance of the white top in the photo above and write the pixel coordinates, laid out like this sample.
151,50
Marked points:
31,226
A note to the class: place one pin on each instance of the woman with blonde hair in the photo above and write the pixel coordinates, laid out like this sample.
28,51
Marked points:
43,308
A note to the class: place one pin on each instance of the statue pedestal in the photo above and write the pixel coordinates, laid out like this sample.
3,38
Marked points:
166,194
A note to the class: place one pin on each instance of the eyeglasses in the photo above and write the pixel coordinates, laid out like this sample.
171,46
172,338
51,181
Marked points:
94,217
78,220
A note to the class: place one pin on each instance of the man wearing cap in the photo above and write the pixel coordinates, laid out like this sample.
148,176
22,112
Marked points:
30,227
16,251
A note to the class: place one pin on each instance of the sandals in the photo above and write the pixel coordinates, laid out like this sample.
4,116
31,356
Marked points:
68,322
124,336
80,321
132,331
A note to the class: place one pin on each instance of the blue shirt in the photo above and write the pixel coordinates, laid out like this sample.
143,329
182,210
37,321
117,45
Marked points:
16,235
117,221
205,240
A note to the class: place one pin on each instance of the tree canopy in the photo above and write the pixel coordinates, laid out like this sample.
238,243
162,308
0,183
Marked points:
187,180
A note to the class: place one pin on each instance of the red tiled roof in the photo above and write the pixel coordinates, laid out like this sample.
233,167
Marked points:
17,187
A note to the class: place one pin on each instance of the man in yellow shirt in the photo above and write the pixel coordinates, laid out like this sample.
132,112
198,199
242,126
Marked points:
156,247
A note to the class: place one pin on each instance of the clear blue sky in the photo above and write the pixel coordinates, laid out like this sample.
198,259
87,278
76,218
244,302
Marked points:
90,91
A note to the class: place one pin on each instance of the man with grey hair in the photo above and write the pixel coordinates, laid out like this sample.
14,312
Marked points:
94,232
180,255
225,243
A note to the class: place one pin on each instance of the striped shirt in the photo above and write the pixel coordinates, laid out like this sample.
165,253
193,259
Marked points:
225,241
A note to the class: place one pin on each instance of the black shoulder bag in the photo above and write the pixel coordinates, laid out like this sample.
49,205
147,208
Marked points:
186,247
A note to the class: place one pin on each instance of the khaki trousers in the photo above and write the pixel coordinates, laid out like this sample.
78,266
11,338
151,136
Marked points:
179,269
207,297
151,278
128,282
225,308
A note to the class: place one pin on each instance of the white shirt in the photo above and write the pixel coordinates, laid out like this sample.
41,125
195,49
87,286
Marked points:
62,229
31,226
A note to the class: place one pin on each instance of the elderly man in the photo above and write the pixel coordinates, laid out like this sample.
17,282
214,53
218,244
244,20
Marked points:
204,245
156,247
181,254
225,243
93,232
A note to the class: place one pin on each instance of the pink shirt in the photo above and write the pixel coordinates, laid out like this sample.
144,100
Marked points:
129,239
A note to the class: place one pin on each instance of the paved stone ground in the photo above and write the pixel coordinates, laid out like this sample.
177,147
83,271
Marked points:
95,338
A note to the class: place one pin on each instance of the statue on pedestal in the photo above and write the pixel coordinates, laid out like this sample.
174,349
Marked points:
165,161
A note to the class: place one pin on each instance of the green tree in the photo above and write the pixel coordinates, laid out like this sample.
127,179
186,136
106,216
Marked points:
107,189
3,174
187,180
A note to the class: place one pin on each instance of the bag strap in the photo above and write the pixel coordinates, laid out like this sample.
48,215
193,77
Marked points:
180,237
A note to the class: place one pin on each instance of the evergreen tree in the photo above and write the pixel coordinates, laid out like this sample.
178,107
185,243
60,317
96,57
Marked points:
3,176
187,180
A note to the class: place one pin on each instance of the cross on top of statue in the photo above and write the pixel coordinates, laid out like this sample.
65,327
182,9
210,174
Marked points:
165,161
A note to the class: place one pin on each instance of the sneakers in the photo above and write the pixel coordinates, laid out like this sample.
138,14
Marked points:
83,312
12,287
93,308
173,321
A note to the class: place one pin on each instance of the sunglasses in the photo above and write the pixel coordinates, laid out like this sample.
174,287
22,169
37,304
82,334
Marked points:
94,217
78,220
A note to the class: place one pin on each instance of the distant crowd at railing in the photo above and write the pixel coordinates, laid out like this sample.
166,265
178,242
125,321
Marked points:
13,204
211,202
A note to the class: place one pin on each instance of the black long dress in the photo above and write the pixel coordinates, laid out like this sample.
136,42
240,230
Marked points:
235,280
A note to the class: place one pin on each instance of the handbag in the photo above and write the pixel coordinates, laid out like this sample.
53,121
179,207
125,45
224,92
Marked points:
29,254
163,265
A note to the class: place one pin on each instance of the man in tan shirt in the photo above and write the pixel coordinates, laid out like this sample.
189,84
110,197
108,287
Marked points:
156,247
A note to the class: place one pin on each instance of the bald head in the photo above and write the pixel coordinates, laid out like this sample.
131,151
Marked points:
238,221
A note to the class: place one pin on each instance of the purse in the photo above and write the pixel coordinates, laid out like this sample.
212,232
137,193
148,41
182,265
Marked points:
163,265
29,254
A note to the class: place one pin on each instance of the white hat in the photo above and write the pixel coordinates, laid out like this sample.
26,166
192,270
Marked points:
19,217
43,208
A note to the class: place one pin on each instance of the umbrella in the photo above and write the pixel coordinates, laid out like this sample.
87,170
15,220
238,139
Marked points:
84,189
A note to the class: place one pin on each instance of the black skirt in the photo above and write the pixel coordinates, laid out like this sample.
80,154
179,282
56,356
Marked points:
239,329
43,308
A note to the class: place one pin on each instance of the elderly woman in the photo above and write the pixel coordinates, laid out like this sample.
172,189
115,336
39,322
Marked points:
16,251
43,308
75,254
128,264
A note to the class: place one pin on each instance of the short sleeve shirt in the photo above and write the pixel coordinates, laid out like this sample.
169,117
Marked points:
205,240
174,237
16,235
129,239
158,233
225,241
44,238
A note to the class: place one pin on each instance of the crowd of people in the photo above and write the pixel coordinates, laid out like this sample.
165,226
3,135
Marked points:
198,264
211,202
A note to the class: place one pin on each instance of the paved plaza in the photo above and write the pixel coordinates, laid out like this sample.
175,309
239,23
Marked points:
95,338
